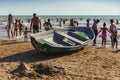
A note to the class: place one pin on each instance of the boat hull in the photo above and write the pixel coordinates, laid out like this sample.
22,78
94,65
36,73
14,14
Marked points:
47,49
50,49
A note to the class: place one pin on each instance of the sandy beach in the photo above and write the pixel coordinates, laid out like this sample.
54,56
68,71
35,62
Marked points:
20,61
73,25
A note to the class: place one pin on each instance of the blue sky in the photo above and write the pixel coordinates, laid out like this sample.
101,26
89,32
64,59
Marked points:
60,7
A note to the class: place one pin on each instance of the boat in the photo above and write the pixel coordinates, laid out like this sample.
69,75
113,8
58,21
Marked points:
62,40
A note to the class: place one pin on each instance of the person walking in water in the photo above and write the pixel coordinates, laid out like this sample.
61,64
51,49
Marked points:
16,28
35,23
25,34
47,25
88,22
113,30
104,34
20,27
10,26
95,30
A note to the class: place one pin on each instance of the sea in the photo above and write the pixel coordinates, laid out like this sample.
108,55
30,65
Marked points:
80,18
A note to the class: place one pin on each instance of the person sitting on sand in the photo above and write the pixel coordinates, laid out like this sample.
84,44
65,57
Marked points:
25,34
47,25
10,26
95,30
104,34
35,23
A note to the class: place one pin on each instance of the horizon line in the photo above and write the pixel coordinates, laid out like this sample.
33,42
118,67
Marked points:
64,14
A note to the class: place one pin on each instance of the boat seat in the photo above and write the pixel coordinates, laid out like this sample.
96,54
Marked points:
44,41
68,41
81,34
70,37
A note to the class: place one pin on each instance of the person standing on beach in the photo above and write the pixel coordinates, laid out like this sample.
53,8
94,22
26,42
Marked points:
25,34
16,28
72,22
20,26
104,34
88,20
10,26
113,30
94,27
115,39
35,23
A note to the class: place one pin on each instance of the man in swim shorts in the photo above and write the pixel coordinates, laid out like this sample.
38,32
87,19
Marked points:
35,23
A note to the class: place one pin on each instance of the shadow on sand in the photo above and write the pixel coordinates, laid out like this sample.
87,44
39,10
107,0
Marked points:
13,42
116,51
31,56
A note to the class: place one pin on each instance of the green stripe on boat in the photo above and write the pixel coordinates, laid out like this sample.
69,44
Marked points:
80,34
44,41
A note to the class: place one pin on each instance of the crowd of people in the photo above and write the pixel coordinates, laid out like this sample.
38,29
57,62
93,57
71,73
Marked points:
112,30
14,27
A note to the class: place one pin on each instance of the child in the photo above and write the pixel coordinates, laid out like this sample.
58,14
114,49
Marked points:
20,26
25,34
104,34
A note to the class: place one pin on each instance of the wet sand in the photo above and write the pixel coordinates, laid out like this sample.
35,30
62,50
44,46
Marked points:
20,61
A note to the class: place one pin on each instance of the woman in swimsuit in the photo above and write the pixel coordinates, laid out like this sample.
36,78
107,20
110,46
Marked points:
10,26
113,30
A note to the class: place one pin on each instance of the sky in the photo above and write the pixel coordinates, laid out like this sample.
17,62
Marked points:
60,7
